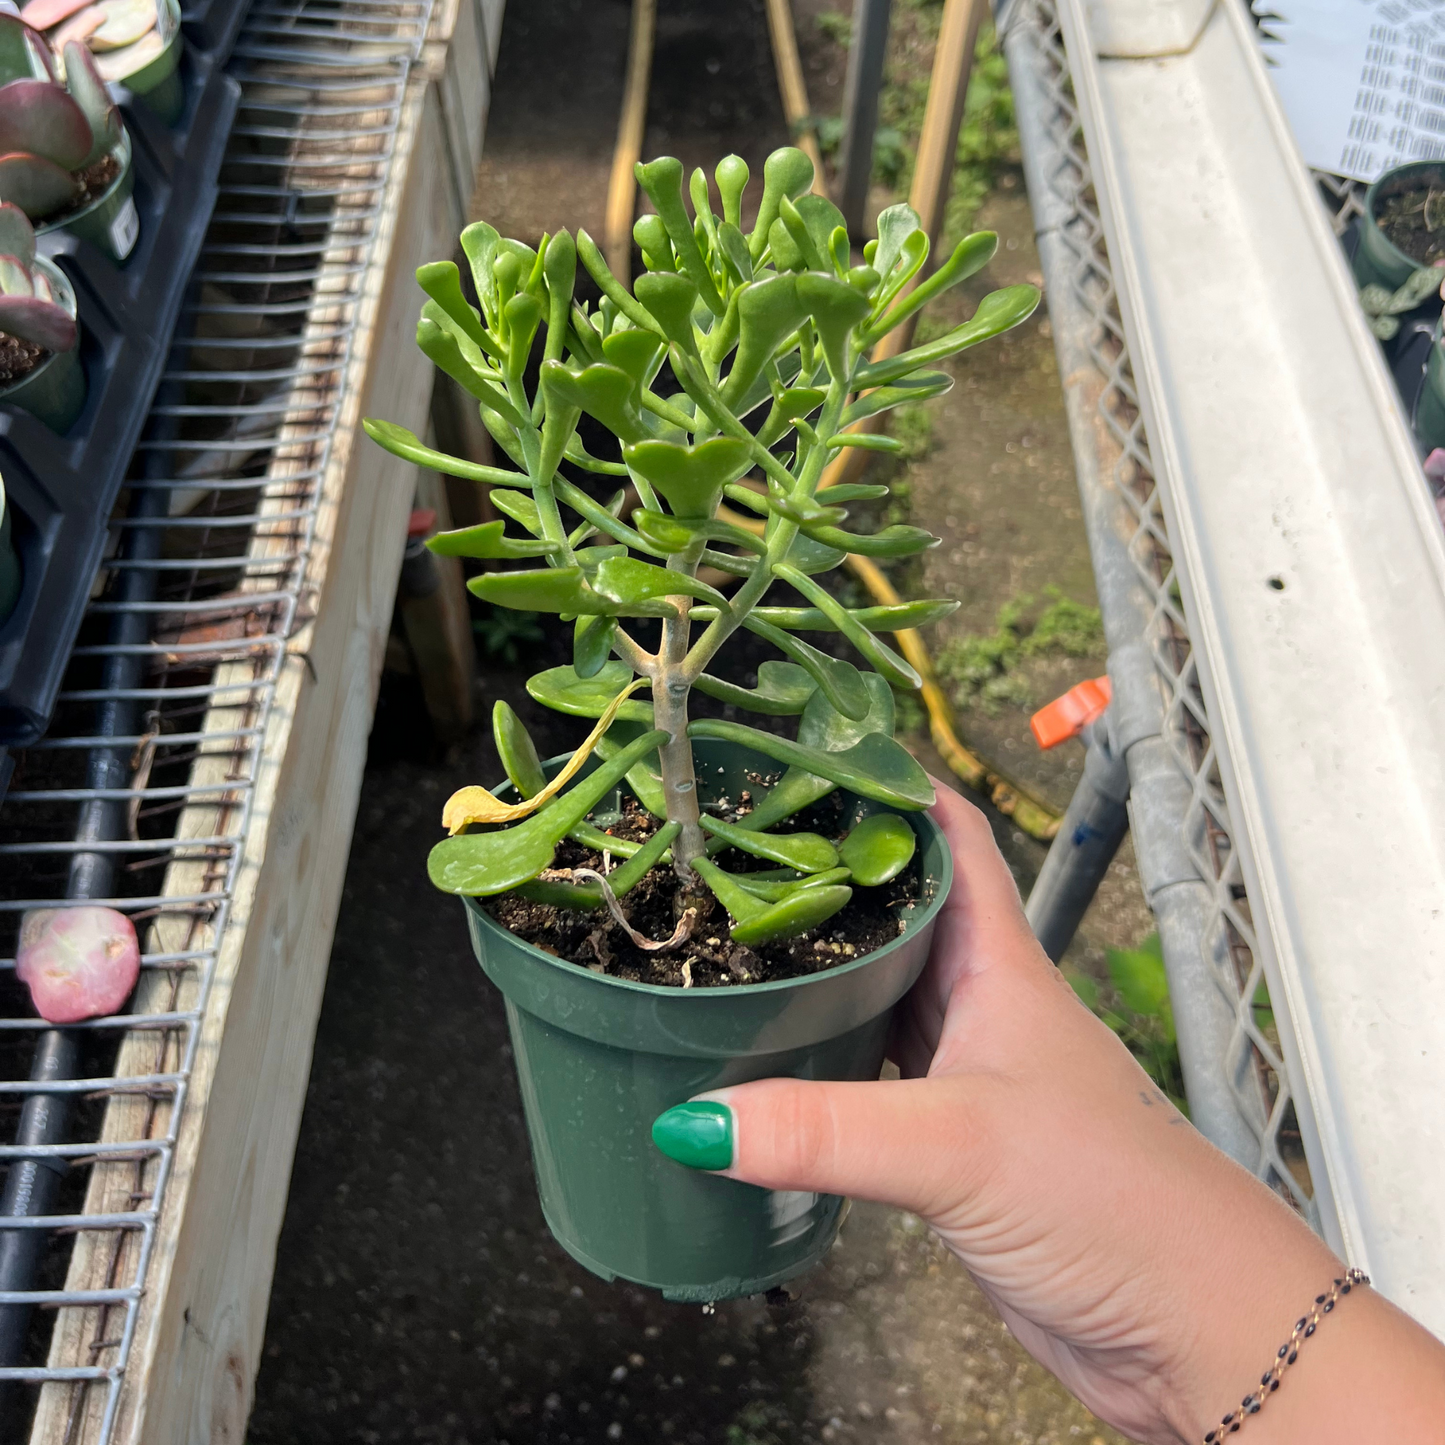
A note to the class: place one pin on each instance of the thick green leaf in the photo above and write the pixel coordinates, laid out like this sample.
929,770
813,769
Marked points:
895,225
638,353
600,517
486,540
807,852
608,284
802,910
562,690
878,849
734,247
517,751
836,308
520,507
559,265
875,619
876,767
773,889
809,555
442,282
997,312
621,880
642,777
662,180
592,644
884,659
736,899
918,387
787,172
650,233
558,589
867,441
591,836
732,177
443,349
482,864
690,478
675,534
783,689
839,682
602,390
769,311
970,255
895,541
406,445
823,727
788,405
633,583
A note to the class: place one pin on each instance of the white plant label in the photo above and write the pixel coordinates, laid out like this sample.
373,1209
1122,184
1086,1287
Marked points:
124,229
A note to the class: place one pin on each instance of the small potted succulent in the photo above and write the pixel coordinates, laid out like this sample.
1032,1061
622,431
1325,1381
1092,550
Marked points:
136,43
65,157
774,897
39,362
1402,227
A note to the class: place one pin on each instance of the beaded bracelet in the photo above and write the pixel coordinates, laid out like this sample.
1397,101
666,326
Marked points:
1288,1354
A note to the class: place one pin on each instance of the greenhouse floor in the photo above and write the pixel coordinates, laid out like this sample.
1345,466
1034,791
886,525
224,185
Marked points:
418,1295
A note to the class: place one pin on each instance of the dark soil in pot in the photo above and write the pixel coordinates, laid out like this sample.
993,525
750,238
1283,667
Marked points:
712,960
93,182
18,358
1414,220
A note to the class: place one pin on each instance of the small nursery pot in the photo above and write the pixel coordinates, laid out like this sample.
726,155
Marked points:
9,561
1378,260
55,390
599,1058
156,83
110,221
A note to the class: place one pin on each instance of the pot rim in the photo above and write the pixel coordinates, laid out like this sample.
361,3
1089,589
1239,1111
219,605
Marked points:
1372,192
925,913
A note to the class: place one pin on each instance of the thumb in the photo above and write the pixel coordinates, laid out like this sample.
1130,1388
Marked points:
904,1142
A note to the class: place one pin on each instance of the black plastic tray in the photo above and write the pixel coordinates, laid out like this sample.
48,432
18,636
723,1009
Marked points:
62,489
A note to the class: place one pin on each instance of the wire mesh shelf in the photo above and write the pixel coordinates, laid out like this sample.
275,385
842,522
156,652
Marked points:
1251,1062
138,797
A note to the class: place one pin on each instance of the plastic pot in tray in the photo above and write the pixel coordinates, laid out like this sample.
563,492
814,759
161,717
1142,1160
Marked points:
110,222
9,562
599,1058
1377,259
55,390
61,488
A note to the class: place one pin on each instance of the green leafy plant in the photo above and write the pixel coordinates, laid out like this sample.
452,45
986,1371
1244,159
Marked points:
982,666
767,334
1384,307
1143,1017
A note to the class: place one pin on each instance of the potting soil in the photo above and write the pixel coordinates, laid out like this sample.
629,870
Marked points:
707,958
1405,218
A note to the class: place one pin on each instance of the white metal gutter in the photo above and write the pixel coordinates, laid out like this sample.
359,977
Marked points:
1313,573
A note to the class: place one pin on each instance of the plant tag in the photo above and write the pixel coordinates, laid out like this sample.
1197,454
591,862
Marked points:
125,229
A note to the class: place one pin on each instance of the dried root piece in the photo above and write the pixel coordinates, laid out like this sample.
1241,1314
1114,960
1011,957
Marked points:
680,934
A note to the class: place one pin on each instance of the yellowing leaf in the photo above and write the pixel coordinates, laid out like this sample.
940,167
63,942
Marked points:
477,805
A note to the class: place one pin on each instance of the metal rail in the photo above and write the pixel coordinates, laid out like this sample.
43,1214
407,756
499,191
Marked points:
1235,1077
139,796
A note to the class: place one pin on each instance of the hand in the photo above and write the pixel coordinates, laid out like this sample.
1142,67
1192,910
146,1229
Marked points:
1151,1274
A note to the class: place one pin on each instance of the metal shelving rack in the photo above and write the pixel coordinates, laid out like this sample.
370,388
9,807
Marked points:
140,798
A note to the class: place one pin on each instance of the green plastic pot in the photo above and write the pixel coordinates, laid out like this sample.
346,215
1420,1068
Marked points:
9,561
110,221
156,83
55,390
1379,261
599,1058
1430,406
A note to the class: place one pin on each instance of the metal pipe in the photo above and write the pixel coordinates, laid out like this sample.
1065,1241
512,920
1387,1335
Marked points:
860,109
1093,827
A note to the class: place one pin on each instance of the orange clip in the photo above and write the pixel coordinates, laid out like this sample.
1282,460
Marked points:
1067,716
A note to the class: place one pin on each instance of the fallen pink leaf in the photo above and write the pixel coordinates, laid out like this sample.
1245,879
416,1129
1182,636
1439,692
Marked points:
79,962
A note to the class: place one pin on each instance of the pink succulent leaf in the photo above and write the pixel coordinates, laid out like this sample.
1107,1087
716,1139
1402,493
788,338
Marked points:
1435,465
15,277
41,118
87,87
77,28
42,14
17,235
80,963
37,185
42,323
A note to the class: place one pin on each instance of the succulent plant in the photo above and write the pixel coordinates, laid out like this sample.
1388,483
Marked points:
28,308
49,131
124,35
768,335
79,962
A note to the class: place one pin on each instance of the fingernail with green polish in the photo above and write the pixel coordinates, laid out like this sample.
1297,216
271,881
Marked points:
699,1134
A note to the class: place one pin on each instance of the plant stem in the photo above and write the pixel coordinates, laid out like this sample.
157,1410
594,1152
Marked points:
670,689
